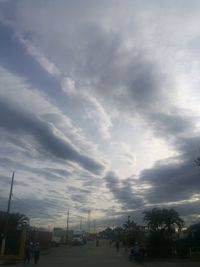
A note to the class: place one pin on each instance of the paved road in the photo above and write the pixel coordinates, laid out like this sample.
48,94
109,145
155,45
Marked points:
92,256
87,256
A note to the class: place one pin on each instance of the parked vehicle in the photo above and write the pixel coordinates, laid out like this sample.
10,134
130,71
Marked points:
78,238
58,236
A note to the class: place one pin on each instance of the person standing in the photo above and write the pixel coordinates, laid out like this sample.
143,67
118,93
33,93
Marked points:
36,252
97,242
28,253
117,245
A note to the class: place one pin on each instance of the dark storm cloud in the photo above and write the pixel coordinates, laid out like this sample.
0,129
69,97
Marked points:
189,146
47,208
14,120
170,125
45,173
177,178
187,209
171,182
15,58
123,191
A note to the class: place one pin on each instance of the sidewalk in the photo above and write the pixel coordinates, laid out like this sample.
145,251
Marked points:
15,259
10,259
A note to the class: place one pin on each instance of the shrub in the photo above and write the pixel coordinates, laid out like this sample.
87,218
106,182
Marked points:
159,246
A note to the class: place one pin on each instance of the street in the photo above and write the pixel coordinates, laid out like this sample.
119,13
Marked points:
92,256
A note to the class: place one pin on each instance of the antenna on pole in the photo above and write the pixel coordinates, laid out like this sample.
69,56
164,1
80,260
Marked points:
5,233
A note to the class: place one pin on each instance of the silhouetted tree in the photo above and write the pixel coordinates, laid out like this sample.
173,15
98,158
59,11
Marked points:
197,161
18,220
162,223
129,225
130,231
118,233
162,220
171,220
154,220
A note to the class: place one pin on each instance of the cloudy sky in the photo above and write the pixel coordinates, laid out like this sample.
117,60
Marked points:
99,108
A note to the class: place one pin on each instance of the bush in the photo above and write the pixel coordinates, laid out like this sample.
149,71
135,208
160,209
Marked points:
159,246
183,247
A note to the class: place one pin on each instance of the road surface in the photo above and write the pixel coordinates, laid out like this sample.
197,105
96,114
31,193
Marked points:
92,256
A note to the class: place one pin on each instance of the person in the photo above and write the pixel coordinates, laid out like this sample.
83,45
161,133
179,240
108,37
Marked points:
117,245
28,253
36,252
137,252
136,249
97,242
134,253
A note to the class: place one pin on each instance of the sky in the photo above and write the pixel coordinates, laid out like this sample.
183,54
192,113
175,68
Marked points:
99,109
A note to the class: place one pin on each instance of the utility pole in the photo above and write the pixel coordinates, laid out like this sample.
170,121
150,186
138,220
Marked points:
81,223
67,231
3,244
89,217
94,222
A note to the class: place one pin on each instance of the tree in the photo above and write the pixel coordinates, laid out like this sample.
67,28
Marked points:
130,226
171,220
130,231
197,161
118,233
17,221
153,218
162,223
163,220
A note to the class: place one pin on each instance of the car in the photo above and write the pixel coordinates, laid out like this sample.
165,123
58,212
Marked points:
77,239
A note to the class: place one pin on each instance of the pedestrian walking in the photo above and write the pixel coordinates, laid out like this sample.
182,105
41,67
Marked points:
117,245
28,252
97,242
36,252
